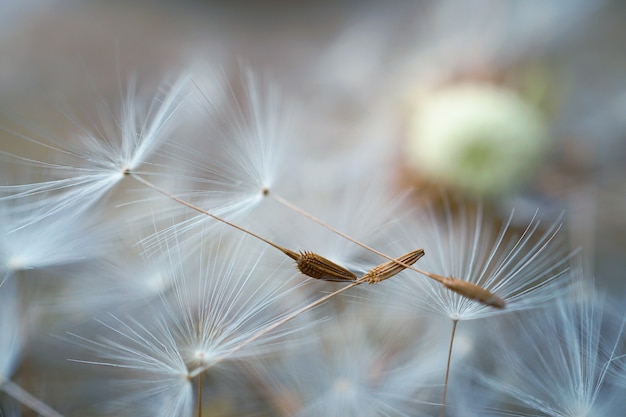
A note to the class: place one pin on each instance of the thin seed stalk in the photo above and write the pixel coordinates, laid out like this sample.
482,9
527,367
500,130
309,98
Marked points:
201,210
319,266
461,287
200,395
275,325
19,394
445,382
309,263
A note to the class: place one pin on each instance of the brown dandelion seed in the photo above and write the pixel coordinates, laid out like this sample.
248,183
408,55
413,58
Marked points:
389,269
473,291
316,266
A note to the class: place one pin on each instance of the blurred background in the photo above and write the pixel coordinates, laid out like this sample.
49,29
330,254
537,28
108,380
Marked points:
365,76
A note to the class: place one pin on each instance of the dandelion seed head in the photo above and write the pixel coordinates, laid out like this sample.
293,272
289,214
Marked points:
248,147
558,358
230,171
126,141
27,242
218,298
202,357
524,268
99,154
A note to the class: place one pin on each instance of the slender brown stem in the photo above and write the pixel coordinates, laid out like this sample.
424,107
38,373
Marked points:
198,371
461,287
20,394
311,217
464,288
445,382
200,210
200,395
275,325
289,205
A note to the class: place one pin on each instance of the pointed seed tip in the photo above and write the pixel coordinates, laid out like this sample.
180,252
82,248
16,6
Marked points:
496,302
316,266
474,292
391,268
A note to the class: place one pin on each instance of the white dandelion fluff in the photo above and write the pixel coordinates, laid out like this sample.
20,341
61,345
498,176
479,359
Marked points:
351,366
122,141
524,268
220,298
557,359
238,153
27,242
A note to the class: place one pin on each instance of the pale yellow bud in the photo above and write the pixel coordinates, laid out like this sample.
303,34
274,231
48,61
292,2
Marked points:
476,137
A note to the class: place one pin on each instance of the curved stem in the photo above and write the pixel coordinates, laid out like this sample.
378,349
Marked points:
311,217
20,394
200,210
463,288
445,382
268,329
200,395
287,204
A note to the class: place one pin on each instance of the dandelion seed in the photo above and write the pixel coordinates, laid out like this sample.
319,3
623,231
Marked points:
232,168
481,267
108,151
310,264
351,366
389,269
224,295
473,292
557,359
316,266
